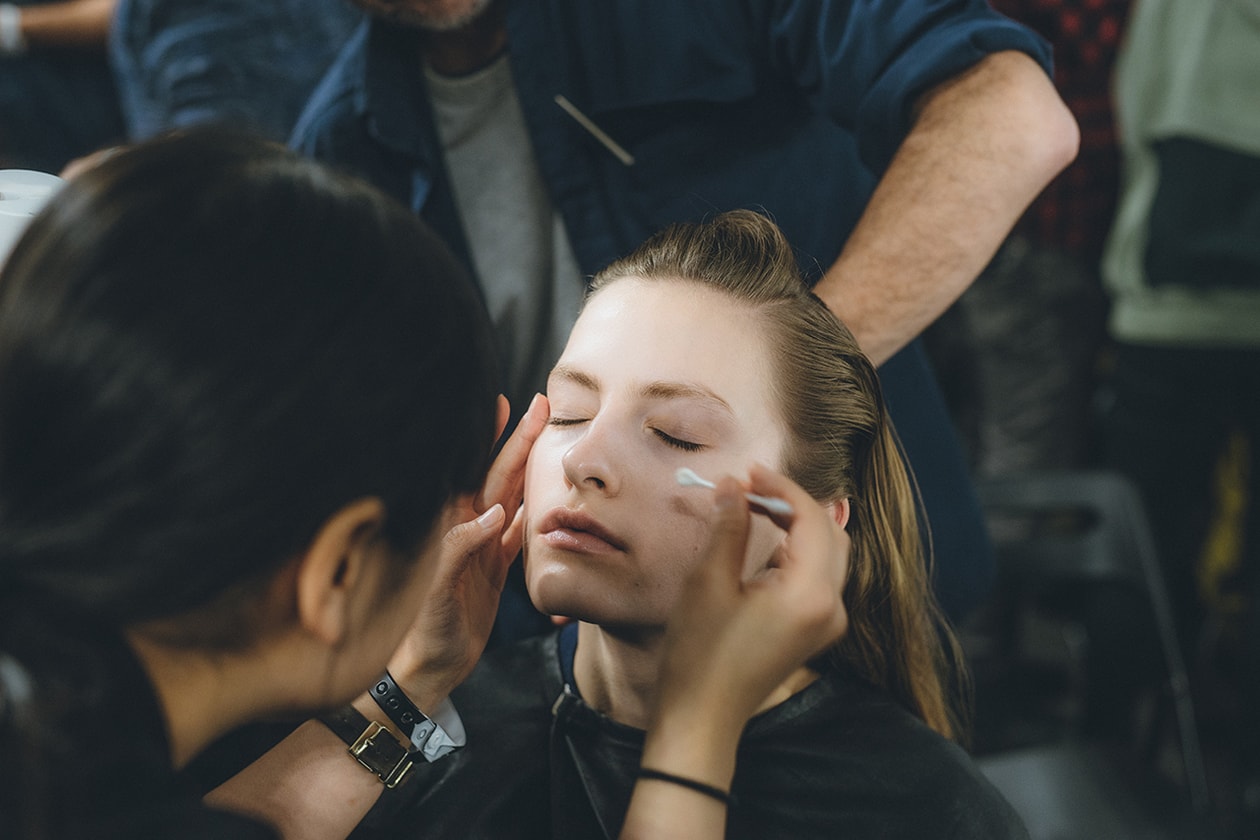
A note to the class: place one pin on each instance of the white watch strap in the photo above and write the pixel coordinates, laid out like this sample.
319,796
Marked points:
442,734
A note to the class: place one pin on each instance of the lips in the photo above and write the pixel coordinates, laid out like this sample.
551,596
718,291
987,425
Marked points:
573,530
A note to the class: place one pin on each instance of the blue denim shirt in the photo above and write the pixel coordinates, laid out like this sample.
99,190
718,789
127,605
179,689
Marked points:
789,107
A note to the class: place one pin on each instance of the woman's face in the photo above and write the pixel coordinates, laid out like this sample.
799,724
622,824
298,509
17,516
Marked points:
657,375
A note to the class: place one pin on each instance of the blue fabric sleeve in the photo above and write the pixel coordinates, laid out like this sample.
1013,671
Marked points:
252,64
333,99
867,61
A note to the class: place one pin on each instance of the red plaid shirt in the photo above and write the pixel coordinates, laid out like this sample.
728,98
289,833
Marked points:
1075,211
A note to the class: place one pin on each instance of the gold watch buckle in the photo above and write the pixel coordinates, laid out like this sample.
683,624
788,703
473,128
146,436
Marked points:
367,741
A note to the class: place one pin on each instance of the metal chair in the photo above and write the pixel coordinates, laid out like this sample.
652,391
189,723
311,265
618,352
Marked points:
1066,531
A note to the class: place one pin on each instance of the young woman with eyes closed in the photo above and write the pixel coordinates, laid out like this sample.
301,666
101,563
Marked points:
704,349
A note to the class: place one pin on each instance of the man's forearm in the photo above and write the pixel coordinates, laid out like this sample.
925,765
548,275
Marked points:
984,144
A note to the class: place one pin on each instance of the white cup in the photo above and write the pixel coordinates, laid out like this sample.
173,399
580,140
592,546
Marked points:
23,193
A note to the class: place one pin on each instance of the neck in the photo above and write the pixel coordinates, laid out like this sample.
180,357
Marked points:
617,672
201,697
458,52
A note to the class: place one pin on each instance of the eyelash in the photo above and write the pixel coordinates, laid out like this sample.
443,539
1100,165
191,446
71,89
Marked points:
684,445
668,440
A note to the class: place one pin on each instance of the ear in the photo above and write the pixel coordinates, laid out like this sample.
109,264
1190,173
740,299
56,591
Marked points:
335,566
839,511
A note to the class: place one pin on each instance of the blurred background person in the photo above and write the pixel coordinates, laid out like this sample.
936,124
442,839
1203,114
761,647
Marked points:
252,65
57,98
1019,353
1182,267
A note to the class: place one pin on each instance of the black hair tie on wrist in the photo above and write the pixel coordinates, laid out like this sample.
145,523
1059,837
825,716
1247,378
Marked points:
691,784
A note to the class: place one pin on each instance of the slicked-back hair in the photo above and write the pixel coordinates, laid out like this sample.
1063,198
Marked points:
840,444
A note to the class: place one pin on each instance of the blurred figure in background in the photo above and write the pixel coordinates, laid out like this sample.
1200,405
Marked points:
57,100
1183,269
178,62
1019,351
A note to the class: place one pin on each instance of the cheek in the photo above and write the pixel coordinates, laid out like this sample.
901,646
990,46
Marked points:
678,538
543,489
543,474
680,529
681,519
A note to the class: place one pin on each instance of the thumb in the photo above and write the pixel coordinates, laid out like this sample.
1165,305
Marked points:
728,538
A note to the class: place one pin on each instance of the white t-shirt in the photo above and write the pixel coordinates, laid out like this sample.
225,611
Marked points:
520,250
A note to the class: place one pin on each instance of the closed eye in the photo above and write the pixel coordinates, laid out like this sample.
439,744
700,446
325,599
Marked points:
565,421
684,445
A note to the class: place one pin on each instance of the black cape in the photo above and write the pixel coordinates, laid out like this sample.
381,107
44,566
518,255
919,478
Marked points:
838,759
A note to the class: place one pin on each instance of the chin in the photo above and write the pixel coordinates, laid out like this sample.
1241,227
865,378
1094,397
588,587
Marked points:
591,590
554,592
612,611
563,593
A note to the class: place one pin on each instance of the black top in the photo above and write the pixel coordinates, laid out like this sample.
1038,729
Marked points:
838,759
83,746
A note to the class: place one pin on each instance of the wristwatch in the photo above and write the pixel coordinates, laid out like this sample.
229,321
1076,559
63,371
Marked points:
371,743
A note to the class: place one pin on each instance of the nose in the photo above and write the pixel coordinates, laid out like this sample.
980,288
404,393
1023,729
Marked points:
589,463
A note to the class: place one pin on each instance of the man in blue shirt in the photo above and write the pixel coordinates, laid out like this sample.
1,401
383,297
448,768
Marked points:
894,141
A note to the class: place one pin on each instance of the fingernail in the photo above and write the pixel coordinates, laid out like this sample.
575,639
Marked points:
491,517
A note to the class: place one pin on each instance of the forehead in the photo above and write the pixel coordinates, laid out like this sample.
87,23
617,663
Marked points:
673,331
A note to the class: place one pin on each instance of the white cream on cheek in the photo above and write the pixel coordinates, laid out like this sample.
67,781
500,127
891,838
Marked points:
687,477
764,537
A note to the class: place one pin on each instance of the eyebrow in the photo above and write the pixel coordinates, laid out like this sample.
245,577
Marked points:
653,390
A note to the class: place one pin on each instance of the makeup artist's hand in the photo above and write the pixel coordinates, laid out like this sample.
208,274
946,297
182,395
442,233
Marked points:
456,617
730,643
